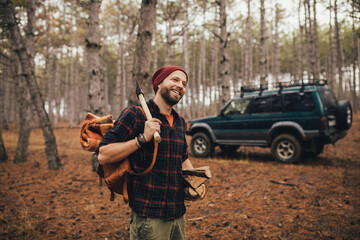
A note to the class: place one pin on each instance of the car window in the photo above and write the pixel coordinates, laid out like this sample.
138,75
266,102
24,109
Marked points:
237,107
299,102
328,98
267,104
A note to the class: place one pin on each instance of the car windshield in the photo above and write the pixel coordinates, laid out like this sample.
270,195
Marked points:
328,98
237,107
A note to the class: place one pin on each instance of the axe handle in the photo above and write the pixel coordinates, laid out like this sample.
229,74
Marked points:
148,115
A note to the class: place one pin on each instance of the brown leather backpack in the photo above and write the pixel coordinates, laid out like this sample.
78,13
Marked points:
115,175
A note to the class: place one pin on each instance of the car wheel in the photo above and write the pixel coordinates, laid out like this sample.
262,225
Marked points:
344,115
286,148
201,146
229,149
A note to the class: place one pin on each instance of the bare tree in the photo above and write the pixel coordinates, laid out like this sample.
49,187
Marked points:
224,59
118,104
301,58
247,63
3,89
24,113
262,44
186,56
315,34
28,72
277,48
71,86
171,10
339,56
143,45
330,60
93,59
95,97
354,58
3,155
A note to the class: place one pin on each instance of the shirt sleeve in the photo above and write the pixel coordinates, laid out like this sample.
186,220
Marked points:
124,127
185,153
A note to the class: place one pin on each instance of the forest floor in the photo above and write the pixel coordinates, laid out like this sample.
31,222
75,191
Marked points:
250,195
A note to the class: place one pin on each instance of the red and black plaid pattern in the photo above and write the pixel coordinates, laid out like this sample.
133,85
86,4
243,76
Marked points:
160,193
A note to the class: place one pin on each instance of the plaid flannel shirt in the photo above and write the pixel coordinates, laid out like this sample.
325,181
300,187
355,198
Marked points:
160,193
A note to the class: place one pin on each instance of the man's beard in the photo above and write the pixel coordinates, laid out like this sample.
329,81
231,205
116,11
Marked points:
165,93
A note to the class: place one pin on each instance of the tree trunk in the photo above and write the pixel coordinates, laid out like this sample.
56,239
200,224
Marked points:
46,75
330,74
339,58
354,58
262,45
28,72
57,94
117,98
24,114
194,99
3,155
316,44
3,103
130,67
71,87
224,60
358,56
93,60
186,58
294,65
143,45
308,49
93,57
203,62
301,58
168,49
247,70
277,48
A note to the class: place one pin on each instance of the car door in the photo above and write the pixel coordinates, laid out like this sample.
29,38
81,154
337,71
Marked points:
232,124
299,107
265,111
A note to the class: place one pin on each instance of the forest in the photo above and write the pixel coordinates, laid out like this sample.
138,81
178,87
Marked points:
60,59
66,58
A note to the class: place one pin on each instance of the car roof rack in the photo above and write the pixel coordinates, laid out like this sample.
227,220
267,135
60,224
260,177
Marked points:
248,89
282,85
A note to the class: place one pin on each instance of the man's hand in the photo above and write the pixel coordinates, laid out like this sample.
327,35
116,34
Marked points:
151,126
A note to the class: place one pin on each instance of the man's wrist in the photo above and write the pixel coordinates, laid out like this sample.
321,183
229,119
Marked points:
141,140
137,142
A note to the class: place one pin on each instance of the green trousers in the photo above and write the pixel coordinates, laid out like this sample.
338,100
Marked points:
146,228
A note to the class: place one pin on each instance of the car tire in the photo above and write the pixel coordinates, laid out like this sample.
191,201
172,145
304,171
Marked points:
201,145
229,149
286,148
344,115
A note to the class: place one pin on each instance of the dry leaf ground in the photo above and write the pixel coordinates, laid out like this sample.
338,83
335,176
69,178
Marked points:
250,196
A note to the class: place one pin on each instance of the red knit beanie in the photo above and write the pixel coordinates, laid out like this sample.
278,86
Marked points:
162,73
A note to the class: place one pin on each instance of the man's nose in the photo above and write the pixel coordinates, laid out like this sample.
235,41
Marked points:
180,85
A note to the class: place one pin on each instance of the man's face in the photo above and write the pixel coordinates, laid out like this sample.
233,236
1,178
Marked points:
173,88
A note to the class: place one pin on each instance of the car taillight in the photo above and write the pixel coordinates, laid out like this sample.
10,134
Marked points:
323,123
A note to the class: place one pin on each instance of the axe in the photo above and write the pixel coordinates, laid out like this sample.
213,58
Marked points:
148,116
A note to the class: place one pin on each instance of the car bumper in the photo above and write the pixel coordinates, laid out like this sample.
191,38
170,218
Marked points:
328,137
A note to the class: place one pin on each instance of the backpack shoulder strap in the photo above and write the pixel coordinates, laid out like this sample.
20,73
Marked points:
156,144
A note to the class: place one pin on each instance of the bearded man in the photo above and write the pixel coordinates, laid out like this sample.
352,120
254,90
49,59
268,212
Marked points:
156,199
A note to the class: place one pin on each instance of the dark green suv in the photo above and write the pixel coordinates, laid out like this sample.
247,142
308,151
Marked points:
291,120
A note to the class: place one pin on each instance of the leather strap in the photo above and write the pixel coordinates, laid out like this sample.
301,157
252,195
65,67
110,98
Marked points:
156,144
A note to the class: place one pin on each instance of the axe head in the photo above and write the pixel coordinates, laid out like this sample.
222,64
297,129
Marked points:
138,89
